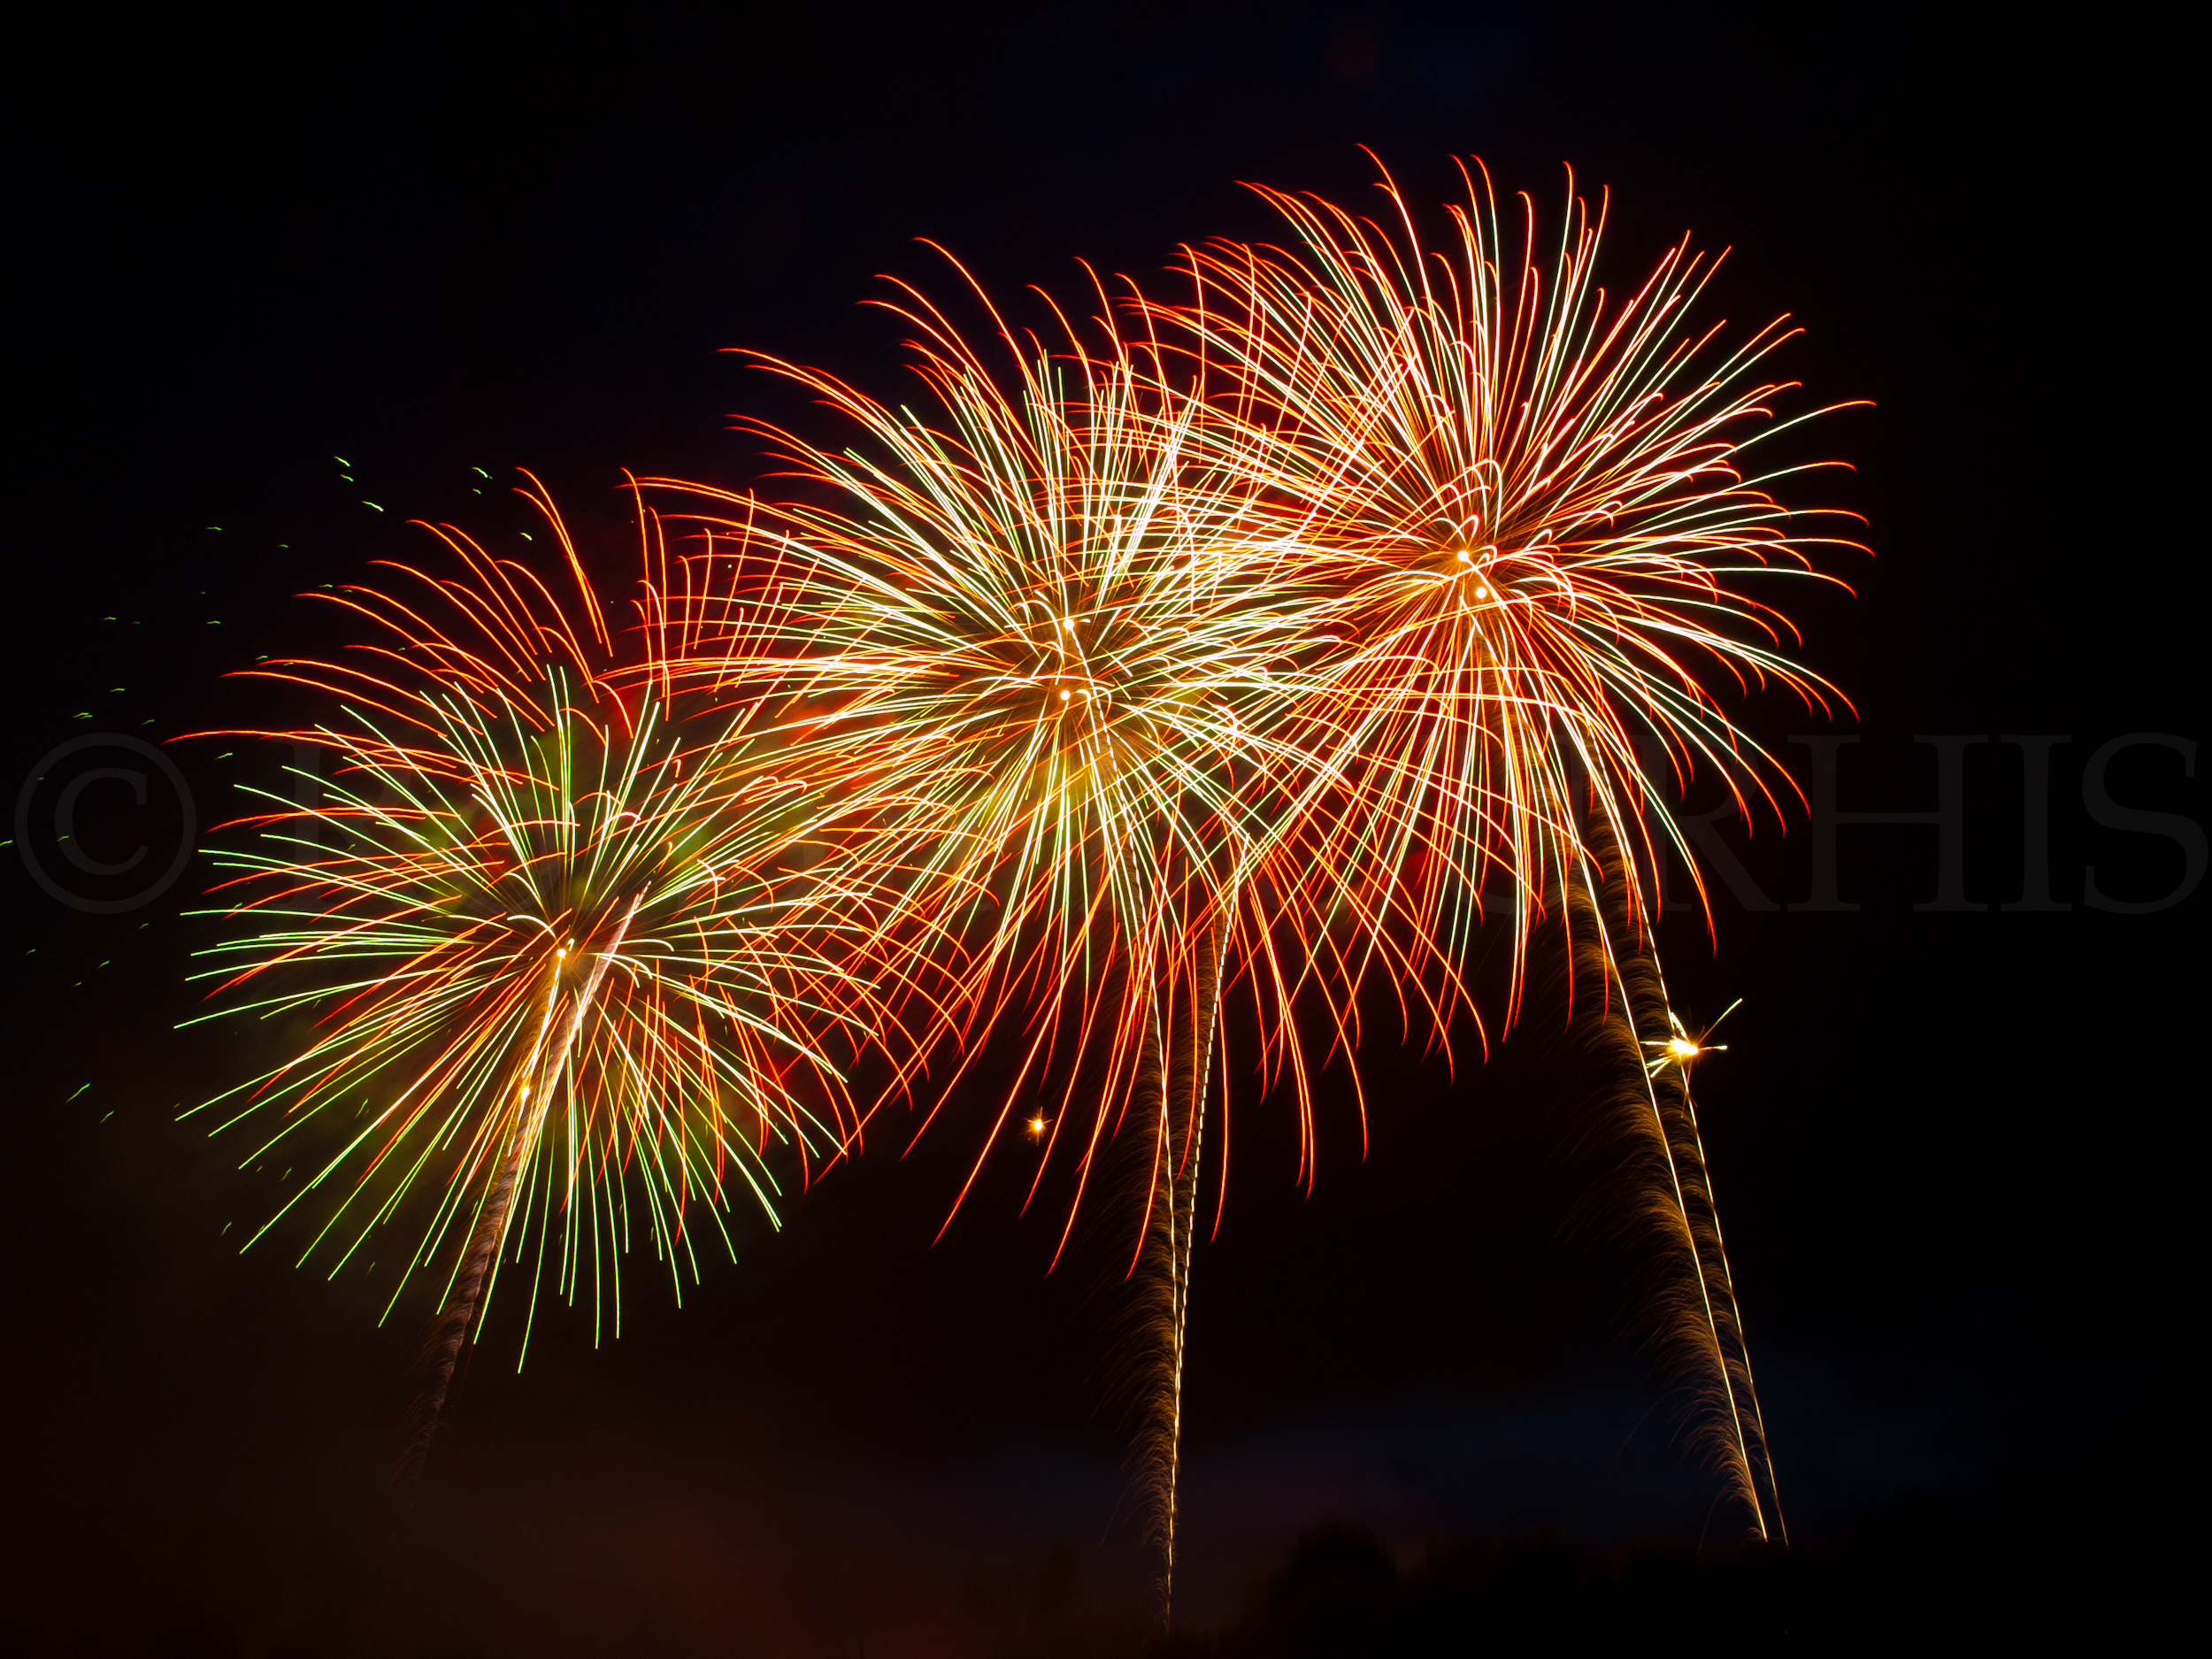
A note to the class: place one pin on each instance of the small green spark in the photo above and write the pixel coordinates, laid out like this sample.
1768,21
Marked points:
81,1089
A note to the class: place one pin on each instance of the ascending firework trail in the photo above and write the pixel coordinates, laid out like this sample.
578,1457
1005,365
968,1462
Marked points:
1694,1320
1173,1087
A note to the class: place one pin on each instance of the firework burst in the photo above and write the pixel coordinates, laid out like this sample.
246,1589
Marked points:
1046,629
1046,624
558,952
1528,534
1379,599
1528,529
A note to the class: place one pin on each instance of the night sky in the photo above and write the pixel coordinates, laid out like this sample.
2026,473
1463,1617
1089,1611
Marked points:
268,273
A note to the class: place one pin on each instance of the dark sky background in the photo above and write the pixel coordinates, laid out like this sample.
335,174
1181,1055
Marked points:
1955,1151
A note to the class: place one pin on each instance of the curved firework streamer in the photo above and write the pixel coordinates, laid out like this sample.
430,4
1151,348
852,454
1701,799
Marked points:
559,953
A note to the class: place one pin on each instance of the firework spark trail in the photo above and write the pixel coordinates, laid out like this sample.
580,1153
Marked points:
1697,1324
1528,527
1192,1018
563,945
